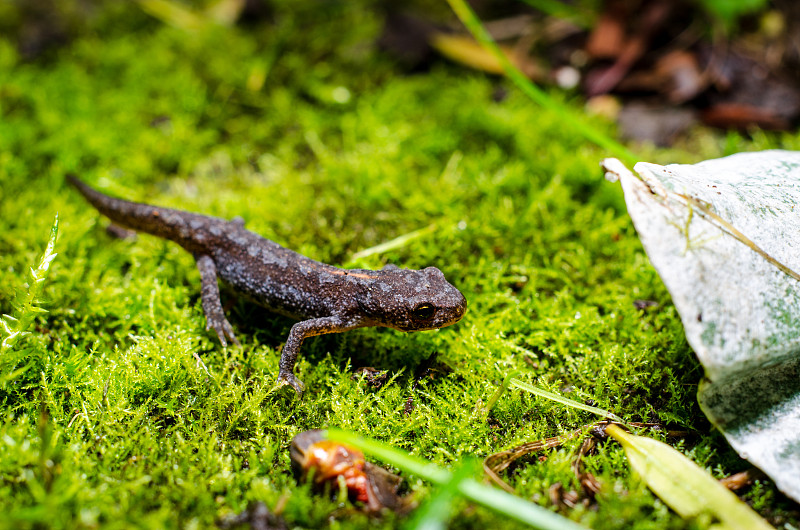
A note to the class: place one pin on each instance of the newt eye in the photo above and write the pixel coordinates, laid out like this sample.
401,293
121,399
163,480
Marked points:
423,312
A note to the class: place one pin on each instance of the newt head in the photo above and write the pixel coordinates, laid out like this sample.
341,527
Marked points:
412,300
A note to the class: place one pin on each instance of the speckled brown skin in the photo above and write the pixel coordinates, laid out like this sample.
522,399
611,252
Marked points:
324,298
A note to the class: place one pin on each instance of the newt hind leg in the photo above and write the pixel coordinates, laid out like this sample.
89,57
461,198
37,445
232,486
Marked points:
212,307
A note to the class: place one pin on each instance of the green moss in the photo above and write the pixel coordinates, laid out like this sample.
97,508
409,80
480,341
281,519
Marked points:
119,426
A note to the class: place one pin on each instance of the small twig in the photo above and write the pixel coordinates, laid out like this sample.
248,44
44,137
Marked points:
499,392
494,464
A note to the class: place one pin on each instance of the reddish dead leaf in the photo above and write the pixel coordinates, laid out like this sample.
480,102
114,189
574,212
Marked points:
682,76
653,17
741,480
748,94
329,462
742,116
607,39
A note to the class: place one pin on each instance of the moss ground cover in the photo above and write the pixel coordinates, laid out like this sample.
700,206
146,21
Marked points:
314,137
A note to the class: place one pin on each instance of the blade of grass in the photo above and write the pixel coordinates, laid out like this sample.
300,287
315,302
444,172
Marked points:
564,401
499,392
554,8
494,499
683,485
570,118
433,515
394,243
173,14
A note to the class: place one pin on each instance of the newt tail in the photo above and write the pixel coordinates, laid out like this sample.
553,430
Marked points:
175,225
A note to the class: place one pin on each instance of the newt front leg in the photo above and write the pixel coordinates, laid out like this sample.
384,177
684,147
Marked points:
299,332
212,306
